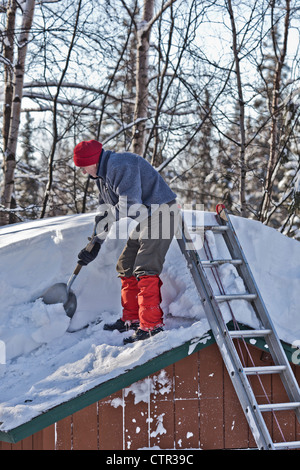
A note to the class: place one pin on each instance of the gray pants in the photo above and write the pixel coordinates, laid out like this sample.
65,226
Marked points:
145,250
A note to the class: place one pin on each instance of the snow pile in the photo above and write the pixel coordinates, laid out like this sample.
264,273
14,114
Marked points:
43,363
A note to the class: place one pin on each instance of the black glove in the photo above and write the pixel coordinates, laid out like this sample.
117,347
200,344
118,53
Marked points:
85,256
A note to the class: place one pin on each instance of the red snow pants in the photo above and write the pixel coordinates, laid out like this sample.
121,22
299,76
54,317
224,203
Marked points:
149,299
129,299
141,301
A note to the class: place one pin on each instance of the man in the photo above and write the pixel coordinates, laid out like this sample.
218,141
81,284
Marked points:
130,186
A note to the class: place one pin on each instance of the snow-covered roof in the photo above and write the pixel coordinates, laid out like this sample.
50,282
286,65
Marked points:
49,372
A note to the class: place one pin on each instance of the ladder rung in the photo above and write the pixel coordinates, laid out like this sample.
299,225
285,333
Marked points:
287,445
222,298
216,228
217,262
213,228
279,406
249,333
264,370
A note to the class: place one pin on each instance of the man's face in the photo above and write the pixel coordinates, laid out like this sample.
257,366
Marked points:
90,170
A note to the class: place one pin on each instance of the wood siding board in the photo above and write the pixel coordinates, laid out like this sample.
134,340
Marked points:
162,424
262,387
64,434
136,420
49,436
85,428
283,421
211,388
162,410
37,440
5,446
111,418
187,424
235,423
211,424
186,395
186,378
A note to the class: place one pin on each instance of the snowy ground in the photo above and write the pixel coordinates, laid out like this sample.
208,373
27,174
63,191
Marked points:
43,364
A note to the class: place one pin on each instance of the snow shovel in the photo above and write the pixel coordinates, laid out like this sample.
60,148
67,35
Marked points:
62,293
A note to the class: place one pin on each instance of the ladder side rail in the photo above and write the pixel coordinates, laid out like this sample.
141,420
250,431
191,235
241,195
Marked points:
230,357
245,272
272,340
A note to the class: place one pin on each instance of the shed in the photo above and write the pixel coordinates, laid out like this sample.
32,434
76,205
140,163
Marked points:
182,399
177,397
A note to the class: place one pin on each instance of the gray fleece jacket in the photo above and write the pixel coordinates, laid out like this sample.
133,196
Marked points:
126,181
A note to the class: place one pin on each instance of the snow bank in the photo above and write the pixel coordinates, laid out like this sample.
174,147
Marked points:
44,364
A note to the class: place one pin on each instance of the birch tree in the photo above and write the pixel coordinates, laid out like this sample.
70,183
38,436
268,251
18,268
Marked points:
8,59
280,52
18,80
241,105
142,64
56,136
143,30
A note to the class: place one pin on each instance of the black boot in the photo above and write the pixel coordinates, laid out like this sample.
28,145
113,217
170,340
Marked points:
121,326
142,334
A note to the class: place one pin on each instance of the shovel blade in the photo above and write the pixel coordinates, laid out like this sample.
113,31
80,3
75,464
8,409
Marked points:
58,294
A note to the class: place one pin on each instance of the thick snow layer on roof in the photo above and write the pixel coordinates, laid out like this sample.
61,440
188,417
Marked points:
43,364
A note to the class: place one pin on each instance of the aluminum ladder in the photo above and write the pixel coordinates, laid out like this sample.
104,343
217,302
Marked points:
224,337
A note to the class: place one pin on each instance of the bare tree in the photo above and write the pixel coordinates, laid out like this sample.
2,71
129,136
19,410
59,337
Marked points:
141,104
18,79
280,56
56,136
142,80
8,59
241,105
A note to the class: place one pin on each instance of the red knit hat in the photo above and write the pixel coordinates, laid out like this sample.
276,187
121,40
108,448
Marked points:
87,153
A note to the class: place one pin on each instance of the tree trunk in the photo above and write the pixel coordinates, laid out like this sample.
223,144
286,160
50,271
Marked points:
19,69
141,103
272,162
56,137
241,103
8,53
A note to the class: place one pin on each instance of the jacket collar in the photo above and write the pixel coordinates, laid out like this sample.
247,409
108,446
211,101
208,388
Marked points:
101,172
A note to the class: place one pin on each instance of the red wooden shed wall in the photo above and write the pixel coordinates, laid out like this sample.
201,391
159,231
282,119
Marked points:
190,404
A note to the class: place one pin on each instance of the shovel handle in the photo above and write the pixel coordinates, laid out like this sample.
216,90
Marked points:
89,248
77,269
90,245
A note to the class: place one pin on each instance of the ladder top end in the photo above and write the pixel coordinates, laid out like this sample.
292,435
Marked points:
220,209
